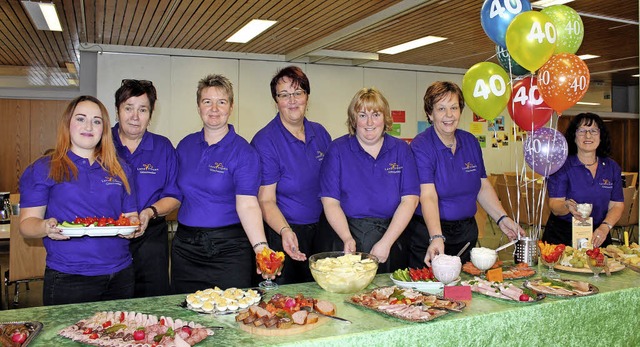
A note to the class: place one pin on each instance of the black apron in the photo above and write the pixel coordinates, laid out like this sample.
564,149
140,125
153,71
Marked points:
559,231
367,231
150,254
457,233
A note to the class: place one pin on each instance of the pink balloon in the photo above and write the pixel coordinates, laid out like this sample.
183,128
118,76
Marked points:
563,80
526,106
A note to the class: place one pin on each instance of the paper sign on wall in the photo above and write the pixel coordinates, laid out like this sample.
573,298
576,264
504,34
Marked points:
396,130
398,116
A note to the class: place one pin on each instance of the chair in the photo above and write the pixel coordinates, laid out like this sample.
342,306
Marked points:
629,218
630,178
26,262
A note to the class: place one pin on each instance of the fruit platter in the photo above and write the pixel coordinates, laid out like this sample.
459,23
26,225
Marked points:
503,291
285,315
97,226
18,333
561,287
116,329
575,260
406,303
218,301
512,272
420,279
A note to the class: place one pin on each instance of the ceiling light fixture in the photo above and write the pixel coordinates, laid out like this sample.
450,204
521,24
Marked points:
636,75
588,56
547,3
254,28
588,103
43,15
427,40
71,68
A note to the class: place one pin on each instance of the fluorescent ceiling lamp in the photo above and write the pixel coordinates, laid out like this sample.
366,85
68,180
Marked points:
427,40
588,56
547,3
43,15
636,75
588,103
251,30
71,68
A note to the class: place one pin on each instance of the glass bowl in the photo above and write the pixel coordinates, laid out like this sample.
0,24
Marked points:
342,273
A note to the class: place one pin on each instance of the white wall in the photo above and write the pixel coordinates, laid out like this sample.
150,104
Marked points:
332,87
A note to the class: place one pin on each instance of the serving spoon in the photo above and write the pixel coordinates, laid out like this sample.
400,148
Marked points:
505,245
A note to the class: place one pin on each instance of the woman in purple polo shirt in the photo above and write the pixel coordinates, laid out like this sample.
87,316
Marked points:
587,176
220,223
291,150
154,164
81,178
369,184
452,178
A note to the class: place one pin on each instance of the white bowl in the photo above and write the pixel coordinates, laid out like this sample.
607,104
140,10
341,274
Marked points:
446,274
429,287
483,261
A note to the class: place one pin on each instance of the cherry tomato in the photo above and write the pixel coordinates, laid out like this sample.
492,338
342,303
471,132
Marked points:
106,324
139,334
19,337
94,336
524,297
87,331
122,317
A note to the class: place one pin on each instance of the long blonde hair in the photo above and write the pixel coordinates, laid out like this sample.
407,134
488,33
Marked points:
63,169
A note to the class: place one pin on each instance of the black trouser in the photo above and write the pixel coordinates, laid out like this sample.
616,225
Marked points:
63,288
296,271
202,258
558,231
368,231
457,233
150,254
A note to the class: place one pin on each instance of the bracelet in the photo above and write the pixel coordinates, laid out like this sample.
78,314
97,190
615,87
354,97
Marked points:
282,229
155,211
439,236
259,244
500,219
607,224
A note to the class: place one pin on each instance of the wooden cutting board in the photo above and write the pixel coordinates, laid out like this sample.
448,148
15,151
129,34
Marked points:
274,331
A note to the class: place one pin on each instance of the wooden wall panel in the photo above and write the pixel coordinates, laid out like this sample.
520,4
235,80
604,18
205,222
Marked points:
44,125
14,142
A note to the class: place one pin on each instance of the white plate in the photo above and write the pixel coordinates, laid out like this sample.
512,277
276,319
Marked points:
429,287
98,231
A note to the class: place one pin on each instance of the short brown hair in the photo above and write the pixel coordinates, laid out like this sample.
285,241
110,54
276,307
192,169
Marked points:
437,91
217,81
297,76
368,99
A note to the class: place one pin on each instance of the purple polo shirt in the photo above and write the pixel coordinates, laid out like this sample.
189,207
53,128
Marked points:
295,166
574,181
210,177
154,165
368,187
456,176
94,193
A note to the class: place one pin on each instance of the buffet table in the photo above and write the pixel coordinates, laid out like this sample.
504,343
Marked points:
609,317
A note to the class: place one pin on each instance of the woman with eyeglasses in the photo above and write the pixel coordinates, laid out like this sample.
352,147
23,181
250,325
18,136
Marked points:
452,179
154,164
588,175
220,226
291,149
369,183
81,178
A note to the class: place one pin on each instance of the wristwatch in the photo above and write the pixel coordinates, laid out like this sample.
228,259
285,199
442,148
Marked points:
607,224
440,236
155,211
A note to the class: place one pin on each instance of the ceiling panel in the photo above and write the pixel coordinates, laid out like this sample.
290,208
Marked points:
304,26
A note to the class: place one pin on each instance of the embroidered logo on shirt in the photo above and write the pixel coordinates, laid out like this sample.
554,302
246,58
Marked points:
218,168
470,167
394,168
320,156
147,169
606,184
110,180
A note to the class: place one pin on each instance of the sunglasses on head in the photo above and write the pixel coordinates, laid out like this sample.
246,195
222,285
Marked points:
143,83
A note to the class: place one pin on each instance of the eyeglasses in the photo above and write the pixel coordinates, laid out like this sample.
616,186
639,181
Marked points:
298,94
592,132
143,83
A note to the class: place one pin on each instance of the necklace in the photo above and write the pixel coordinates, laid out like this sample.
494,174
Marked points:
451,145
595,162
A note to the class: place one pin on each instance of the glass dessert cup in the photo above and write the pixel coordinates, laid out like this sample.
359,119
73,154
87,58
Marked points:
551,273
268,284
585,212
484,263
597,266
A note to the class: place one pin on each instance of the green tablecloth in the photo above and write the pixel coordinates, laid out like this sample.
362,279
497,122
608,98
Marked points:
608,318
